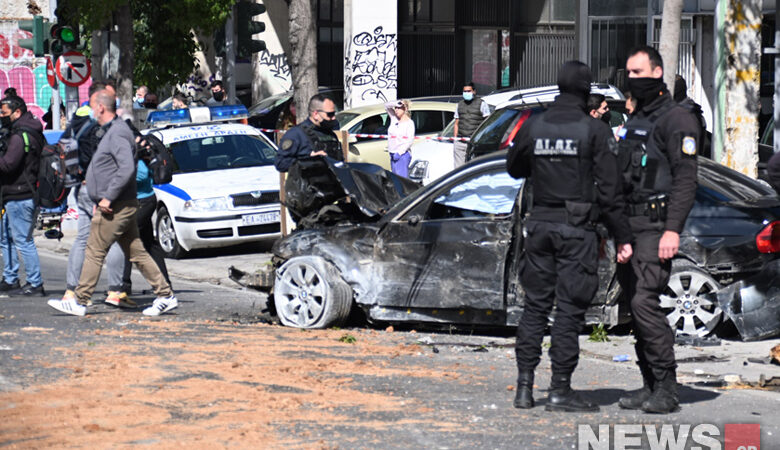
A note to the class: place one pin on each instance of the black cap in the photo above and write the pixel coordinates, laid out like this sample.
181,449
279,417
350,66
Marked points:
575,77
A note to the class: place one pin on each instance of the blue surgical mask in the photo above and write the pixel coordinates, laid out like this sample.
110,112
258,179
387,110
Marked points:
117,103
91,114
468,96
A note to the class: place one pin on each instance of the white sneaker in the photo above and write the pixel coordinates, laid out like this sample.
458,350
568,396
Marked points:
68,306
161,305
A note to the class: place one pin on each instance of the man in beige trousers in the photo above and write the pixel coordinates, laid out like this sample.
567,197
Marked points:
111,185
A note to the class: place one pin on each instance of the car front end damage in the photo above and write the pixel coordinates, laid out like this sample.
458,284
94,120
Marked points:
753,303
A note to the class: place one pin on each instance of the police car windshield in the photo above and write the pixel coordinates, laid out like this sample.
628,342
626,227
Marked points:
221,152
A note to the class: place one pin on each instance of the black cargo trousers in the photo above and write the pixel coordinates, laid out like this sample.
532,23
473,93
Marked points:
560,266
643,280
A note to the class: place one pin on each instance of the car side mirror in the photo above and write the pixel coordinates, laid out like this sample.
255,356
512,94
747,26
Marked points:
354,150
352,139
414,219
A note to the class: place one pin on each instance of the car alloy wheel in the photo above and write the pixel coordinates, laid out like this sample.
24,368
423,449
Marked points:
309,293
689,301
166,235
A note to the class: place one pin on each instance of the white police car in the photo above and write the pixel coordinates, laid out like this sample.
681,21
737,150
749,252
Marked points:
225,189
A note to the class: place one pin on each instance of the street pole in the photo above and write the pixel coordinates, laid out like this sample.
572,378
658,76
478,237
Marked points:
71,100
230,57
55,108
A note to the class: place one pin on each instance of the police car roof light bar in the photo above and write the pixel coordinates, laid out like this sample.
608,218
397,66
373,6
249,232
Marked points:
229,112
168,117
198,114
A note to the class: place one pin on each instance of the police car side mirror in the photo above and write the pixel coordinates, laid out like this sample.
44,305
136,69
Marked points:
414,219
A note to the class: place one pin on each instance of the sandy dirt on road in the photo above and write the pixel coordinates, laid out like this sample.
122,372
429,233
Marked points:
210,385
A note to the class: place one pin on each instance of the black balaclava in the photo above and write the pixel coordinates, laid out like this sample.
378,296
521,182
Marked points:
575,78
645,90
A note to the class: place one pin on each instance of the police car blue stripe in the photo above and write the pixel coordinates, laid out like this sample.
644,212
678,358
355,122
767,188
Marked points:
173,190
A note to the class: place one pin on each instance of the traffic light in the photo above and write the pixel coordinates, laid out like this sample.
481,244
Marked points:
246,27
39,29
62,39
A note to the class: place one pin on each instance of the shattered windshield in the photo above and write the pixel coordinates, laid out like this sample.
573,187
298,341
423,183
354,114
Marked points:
490,193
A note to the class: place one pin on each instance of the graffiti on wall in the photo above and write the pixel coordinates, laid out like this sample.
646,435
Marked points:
277,67
370,67
20,69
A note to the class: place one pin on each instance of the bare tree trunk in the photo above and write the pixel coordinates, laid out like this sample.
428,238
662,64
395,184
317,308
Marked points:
669,44
124,21
741,106
303,55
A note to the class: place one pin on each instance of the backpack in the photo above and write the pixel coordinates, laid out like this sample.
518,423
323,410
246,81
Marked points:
73,155
160,161
53,179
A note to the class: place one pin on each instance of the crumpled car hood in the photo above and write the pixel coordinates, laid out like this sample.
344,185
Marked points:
323,191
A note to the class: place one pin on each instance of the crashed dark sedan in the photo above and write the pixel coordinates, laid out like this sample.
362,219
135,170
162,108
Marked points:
447,253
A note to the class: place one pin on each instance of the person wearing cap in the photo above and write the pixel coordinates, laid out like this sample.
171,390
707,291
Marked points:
400,136
569,159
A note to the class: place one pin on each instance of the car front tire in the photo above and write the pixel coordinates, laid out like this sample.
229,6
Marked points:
166,235
310,293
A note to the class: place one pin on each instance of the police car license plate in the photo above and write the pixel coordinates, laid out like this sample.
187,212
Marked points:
254,219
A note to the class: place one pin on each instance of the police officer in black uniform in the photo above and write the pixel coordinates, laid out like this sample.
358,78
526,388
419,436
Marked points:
312,137
658,148
570,158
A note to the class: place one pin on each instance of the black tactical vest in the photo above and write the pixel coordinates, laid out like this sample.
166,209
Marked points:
562,163
644,165
324,141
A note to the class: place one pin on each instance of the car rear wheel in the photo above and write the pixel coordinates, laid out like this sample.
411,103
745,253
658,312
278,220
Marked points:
310,293
166,235
687,301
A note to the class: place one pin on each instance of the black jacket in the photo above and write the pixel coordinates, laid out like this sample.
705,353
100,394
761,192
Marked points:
19,165
609,192
671,128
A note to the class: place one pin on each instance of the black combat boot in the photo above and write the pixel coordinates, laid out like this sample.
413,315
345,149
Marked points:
563,398
664,398
524,398
634,399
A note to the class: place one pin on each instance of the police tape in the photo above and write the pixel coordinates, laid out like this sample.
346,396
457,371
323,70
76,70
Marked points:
385,136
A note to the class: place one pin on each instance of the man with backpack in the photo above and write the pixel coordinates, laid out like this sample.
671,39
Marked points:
19,176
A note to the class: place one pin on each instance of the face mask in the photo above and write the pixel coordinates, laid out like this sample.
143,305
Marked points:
468,96
645,90
5,122
218,96
329,124
92,114
139,100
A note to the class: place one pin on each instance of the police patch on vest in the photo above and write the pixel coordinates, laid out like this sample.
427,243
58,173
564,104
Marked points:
286,144
689,145
556,147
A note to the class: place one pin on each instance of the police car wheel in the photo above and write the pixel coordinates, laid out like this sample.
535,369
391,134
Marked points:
687,301
310,293
166,235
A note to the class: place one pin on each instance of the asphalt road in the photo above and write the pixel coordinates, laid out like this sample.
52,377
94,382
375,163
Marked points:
449,390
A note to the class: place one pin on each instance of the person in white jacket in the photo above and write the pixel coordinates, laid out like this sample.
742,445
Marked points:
400,136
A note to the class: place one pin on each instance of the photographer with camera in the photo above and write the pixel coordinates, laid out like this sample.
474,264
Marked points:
22,141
